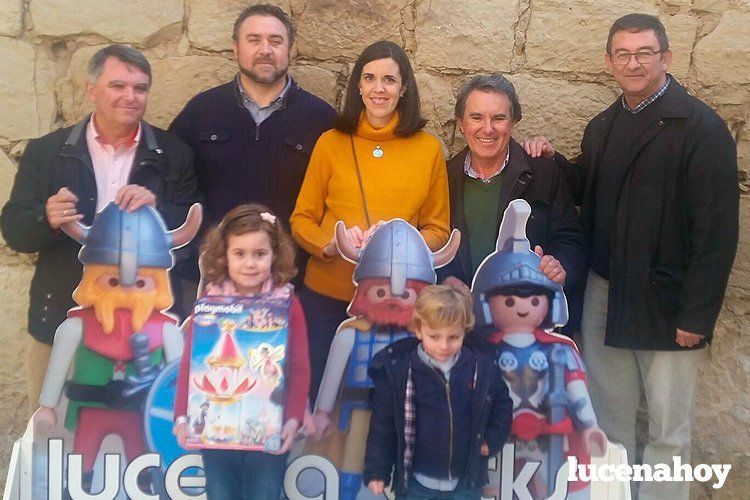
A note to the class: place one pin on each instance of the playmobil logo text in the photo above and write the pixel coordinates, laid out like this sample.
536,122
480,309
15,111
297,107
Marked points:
219,308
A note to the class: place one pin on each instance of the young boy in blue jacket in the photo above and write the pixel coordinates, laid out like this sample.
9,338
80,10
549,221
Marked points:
439,409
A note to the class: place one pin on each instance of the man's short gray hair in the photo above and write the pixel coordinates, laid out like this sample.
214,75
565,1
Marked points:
489,83
636,23
126,54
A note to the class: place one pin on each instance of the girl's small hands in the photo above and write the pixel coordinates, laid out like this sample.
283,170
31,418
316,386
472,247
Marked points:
288,433
308,425
323,427
180,432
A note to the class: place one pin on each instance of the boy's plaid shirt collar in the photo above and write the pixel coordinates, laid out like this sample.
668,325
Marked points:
410,430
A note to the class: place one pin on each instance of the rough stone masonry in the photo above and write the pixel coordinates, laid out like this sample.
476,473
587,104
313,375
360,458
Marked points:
552,50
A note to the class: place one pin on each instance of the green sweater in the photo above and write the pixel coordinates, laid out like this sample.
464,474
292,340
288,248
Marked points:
481,203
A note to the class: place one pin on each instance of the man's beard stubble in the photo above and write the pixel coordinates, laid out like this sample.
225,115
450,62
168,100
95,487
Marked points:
277,75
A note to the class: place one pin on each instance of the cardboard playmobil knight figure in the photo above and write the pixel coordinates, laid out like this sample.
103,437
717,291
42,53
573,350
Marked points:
552,413
393,267
119,338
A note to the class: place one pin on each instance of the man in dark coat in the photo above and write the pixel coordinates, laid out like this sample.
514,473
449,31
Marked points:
253,135
70,174
657,178
492,171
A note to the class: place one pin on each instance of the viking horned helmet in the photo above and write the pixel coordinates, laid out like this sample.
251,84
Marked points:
131,240
397,251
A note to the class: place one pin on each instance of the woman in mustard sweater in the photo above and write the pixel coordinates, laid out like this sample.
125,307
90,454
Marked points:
374,165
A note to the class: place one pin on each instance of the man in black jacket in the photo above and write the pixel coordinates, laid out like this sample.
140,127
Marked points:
657,178
492,171
72,173
253,135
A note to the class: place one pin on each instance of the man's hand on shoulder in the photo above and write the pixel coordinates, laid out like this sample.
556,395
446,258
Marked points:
539,146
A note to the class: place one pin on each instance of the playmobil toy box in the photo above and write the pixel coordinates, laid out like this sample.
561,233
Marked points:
237,357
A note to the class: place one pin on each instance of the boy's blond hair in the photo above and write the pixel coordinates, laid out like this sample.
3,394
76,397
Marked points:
440,305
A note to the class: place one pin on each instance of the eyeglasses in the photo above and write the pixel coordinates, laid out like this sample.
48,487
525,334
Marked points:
642,56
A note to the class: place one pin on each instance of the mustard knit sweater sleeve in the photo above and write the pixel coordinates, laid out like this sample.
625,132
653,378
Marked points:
408,180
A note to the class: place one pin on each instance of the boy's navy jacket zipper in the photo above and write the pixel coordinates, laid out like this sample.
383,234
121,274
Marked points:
450,425
447,385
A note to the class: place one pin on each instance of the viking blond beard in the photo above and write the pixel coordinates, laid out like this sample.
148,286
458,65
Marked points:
106,300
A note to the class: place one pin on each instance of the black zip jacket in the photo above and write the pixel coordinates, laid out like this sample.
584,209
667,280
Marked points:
676,221
163,164
553,223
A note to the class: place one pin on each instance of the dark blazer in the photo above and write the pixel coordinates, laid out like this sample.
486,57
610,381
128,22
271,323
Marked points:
553,223
162,163
676,221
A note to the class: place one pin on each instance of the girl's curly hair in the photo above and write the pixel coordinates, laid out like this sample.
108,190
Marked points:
241,220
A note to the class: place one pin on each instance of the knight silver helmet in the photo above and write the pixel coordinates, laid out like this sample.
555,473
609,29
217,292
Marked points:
513,264
131,240
397,251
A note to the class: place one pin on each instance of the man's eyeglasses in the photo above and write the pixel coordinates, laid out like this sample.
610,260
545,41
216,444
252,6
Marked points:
642,56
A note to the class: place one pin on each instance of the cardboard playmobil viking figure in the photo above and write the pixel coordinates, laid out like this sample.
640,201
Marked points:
119,338
552,413
393,267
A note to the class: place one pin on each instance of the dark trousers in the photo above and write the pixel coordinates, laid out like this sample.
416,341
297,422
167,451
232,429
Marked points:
323,316
248,475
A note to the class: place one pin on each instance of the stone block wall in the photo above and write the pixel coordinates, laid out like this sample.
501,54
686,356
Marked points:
552,50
